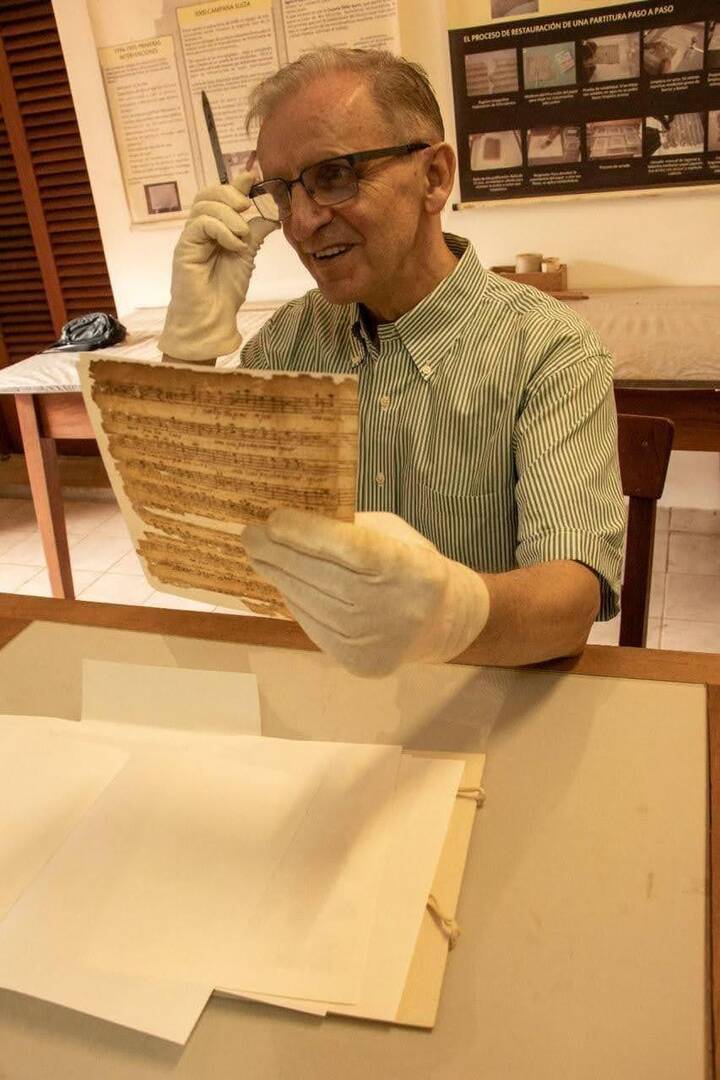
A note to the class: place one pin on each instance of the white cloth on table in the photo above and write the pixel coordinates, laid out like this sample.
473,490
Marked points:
658,334
56,372
654,334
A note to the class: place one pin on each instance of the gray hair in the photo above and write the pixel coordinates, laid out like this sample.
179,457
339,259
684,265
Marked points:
400,88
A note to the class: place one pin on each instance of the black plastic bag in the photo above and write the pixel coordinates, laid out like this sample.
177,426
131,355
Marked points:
87,332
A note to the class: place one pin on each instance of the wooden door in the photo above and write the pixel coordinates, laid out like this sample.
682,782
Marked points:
52,264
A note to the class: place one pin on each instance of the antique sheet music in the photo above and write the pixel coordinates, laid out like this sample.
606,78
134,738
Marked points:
195,454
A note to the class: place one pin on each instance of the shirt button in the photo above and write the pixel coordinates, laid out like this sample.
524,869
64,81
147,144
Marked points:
384,402
380,479
426,370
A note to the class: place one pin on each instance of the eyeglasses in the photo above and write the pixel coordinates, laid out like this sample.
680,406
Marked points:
327,183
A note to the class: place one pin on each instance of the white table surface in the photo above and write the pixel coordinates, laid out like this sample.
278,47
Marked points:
56,372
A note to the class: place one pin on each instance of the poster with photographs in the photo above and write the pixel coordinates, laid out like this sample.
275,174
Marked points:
554,97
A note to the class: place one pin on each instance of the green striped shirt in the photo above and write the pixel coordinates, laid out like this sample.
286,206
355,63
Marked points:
487,418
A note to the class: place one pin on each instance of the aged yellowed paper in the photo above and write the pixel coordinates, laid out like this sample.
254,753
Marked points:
195,454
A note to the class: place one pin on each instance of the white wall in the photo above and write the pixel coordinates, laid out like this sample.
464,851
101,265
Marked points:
693,481
661,239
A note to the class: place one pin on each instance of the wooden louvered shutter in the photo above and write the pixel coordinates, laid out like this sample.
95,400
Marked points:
52,266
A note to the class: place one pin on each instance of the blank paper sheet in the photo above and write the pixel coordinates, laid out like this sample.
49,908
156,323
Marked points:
46,785
157,895
187,699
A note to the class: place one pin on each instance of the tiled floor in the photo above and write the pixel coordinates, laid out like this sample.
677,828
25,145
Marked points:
684,607
104,565
685,596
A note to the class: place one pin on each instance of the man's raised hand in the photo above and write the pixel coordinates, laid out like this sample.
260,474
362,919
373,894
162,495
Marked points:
212,264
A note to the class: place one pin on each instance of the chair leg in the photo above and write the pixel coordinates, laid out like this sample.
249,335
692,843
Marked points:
635,600
42,467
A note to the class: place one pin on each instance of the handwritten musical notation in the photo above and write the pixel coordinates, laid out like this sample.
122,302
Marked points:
197,437
244,401
194,455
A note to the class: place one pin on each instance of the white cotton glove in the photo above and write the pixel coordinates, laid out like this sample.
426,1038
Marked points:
212,264
375,594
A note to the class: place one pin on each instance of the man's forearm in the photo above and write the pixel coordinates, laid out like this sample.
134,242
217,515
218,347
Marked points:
538,613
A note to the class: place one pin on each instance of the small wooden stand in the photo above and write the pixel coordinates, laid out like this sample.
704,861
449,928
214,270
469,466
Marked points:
553,282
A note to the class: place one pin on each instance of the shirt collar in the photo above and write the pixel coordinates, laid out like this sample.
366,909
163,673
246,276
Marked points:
429,329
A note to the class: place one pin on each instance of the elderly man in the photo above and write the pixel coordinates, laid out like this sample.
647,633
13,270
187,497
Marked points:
491,509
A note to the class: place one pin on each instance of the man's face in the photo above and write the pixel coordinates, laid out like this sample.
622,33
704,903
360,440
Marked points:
361,249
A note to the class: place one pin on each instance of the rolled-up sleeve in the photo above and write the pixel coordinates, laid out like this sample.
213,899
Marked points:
568,491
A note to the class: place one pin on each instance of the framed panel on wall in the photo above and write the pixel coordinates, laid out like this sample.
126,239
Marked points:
568,97
156,67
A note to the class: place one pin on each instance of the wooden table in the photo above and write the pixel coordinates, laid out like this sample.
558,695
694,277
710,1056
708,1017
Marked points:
43,419
236,1039
692,405
666,346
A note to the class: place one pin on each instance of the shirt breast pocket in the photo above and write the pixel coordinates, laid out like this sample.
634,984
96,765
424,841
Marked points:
478,530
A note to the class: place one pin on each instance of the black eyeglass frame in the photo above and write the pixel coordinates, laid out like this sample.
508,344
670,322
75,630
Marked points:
351,159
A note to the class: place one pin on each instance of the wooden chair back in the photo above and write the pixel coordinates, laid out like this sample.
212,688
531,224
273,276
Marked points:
645,443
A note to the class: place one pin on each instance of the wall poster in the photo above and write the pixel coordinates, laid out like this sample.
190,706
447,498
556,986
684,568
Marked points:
554,97
157,56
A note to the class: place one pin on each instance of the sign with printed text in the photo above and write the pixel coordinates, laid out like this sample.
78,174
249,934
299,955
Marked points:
557,98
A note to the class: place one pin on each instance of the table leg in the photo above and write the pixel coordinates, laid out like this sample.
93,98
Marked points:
713,715
42,467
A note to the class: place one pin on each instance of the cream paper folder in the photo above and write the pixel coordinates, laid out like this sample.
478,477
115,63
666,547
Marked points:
421,992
